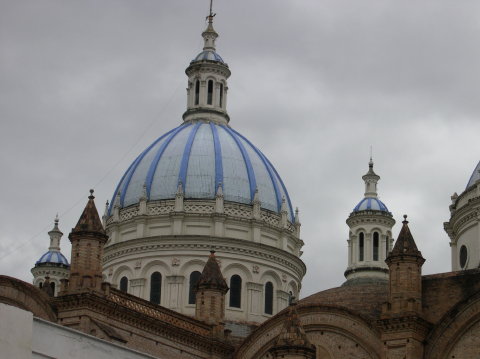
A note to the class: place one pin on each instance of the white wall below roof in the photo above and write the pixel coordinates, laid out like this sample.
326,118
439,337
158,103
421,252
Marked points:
23,336
15,332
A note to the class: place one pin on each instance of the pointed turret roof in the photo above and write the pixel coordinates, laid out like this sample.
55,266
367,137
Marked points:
90,220
211,277
405,243
292,336
292,332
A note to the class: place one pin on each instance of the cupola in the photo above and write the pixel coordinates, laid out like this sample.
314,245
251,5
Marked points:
370,235
207,82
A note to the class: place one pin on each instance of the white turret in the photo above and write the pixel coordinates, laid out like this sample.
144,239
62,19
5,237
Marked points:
52,265
370,235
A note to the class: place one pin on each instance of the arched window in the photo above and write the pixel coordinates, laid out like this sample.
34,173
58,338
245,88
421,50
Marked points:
155,287
220,97
40,285
361,240
269,298
375,245
210,92
235,291
197,92
52,286
194,277
124,284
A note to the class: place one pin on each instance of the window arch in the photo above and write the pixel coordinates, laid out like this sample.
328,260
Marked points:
210,92
40,285
269,298
361,246
197,92
235,291
194,277
52,286
155,287
376,241
220,97
124,284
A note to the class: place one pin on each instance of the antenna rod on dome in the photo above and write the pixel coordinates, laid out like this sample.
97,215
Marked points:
211,14
371,152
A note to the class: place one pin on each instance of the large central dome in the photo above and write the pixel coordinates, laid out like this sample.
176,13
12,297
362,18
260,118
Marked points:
202,156
204,185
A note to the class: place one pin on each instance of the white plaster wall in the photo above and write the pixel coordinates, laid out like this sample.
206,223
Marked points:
23,336
15,332
54,341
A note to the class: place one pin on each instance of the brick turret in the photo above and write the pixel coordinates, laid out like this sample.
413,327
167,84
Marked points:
210,294
87,238
402,323
292,342
405,266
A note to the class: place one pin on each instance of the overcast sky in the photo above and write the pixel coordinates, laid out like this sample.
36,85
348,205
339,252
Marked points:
87,85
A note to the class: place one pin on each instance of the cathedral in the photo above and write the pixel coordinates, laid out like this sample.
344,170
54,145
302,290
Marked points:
198,255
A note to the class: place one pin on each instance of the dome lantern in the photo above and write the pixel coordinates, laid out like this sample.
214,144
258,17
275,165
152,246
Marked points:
207,82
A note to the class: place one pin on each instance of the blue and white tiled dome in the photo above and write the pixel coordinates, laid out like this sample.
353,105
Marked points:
474,177
202,156
208,55
53,257
370,204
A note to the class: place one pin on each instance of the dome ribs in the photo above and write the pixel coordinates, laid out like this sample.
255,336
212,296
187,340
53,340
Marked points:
158,155
278,195
250,172
182,175
218,157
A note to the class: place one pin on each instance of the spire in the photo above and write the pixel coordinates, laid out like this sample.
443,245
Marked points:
55,236
87,238
371,179
211,277
292,340
405,244
209,35
89,220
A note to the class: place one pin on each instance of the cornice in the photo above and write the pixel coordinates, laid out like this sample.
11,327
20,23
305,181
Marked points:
204,243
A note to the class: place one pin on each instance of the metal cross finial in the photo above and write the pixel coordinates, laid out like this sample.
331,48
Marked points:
211,14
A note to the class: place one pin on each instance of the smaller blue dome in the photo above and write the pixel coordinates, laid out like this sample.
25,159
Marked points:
474,177
208,55
370,204
53,257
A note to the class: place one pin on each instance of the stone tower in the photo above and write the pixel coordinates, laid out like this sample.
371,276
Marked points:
370,235
210,294
87,238
402,323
